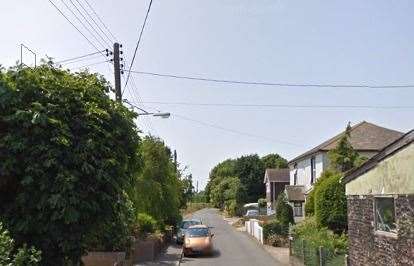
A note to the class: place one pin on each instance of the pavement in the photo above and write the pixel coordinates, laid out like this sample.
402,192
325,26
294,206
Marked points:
171,256
231,247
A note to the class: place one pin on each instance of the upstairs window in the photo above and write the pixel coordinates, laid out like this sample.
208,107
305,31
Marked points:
385,215
313,170
295,174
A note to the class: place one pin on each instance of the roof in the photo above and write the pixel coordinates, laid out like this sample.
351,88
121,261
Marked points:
277,175
295,193
389,150
365,136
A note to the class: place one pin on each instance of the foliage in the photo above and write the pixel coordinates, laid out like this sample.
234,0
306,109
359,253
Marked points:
249,170
318,236
68,152
262,203
23,256
157,189
284,212
274,227
200,197
343,157
228,195
274,160
187,190
330,203
195,206
310,203
277,240
145,223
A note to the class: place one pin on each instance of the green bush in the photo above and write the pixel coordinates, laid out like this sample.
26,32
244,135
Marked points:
146,224
262,203
284,212
23,256
274,227
310,203
330,203
316,236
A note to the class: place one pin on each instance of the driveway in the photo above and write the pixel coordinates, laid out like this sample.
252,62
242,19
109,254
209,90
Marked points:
231,247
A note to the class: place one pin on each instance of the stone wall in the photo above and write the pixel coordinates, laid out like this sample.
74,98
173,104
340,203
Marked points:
369,248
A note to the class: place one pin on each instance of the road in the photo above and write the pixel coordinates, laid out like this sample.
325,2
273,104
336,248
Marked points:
231,247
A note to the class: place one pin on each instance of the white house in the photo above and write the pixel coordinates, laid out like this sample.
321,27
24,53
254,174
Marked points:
366,138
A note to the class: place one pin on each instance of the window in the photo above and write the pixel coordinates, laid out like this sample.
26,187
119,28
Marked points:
295,174
297,209
313,170
385,215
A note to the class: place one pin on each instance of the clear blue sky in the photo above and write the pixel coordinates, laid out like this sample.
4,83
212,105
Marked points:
265,40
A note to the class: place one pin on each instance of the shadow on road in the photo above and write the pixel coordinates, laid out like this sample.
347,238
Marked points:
216,253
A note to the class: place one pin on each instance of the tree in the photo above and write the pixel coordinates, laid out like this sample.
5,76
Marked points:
343,157
157,189
68,152
250,170
187,190
274,160
330,203
284,212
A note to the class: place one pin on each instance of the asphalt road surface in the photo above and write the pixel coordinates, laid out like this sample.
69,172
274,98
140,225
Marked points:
230,247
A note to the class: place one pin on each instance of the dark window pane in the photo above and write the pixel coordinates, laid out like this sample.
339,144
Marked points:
385,215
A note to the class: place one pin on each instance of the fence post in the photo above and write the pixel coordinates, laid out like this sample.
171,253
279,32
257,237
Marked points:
290,246
321,254
346,260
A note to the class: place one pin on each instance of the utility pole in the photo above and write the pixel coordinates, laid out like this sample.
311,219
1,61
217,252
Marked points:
117,72
175,162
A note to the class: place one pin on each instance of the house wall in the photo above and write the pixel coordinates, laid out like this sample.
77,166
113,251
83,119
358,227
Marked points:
394,175
304,170
369,248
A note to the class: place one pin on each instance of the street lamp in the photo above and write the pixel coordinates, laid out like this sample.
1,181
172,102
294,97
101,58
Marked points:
144,112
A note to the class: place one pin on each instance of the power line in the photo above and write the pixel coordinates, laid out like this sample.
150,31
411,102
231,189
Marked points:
80,21
284,105
60,11
262,83
82,59
93,20
79,57
100,20
138,42
92,64
90,25
234,131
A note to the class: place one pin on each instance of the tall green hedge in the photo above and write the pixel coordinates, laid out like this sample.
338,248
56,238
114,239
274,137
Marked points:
284,212
330,203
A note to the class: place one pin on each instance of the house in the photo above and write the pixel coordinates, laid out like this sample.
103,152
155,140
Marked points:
380,198
275,181
366,138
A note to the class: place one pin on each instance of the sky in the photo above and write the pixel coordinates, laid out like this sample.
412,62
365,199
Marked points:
329,42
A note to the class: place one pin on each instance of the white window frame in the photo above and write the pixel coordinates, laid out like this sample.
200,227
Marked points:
380,232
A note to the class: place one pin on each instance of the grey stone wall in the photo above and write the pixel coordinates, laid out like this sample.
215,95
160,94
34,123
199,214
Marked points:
369,248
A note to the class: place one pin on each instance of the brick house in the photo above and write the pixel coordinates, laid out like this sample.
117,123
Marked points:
380,198
275,181
366,138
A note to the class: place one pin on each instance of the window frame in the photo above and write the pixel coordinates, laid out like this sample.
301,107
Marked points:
374,203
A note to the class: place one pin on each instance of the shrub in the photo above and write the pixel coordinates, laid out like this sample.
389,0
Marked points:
284,212
274,227
23,257
262,203
310,203
330,203
146,224
277,241
316,236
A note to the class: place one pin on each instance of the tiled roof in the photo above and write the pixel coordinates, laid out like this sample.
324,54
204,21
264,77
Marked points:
389,150
365,136
277,175
295,193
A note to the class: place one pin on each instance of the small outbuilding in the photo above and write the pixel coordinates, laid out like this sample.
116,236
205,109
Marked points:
380,198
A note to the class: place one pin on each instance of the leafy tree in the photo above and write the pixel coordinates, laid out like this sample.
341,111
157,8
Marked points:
274,160
330,203
157,189
68,152
250,170
187,190
284,212
343,157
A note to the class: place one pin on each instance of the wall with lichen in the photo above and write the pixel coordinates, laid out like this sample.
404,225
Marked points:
394,175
